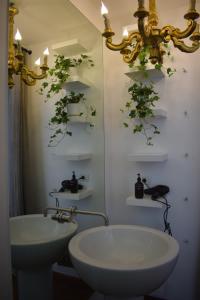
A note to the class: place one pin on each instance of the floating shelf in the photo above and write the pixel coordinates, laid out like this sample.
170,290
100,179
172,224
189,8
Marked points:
77,83
70,48
145,202
148,157
74,156
139,75
79,120
82,194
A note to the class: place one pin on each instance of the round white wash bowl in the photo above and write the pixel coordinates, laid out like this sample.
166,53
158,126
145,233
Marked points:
124,260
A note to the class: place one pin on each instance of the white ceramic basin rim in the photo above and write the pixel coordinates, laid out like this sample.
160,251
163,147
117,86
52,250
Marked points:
36,229
38,241
123,247
124,260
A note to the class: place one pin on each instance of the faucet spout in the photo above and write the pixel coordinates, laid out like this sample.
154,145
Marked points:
74,211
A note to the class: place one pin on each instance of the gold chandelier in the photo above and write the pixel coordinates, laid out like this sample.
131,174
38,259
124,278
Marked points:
16,63
151,36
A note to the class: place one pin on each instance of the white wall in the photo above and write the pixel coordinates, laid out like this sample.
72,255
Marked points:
5,263
179,135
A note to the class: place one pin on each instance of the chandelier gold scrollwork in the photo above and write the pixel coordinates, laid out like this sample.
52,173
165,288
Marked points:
16,63
150,35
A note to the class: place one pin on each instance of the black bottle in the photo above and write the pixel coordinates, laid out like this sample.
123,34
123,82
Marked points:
139,188
74,184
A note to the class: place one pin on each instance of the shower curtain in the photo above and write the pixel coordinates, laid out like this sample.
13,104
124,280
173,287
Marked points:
17,126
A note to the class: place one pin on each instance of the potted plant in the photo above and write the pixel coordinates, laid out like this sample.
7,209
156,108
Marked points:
139,110
70,106
143,62
63,69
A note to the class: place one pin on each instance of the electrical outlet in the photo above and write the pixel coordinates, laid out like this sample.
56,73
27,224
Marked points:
84,177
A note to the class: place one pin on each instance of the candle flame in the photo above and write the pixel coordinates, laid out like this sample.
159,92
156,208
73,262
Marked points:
37,62
46,51
125,32
104,9
18,36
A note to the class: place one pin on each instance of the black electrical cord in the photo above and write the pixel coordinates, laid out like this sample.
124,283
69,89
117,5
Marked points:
167,226
51,194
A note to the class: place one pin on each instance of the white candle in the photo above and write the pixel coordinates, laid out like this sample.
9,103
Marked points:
38,62
104,10
18,36
125,33
46,53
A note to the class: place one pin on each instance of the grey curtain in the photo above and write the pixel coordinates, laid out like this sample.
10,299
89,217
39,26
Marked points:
17,125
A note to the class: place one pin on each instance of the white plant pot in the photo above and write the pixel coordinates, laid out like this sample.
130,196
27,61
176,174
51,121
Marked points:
74,74
74,110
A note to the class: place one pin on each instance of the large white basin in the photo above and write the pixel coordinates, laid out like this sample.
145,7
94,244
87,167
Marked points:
37,240
36,243
124,260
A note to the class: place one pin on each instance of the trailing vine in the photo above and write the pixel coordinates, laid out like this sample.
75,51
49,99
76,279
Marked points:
53,85
140,108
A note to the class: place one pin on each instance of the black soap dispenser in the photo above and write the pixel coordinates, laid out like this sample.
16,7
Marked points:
139,188
74,184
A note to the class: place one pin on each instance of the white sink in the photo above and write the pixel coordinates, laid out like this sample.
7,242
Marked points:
124,260
36,243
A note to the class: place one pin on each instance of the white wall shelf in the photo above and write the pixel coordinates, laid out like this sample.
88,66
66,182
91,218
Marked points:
74,156
70,48
82,194
139,75
145,202
79,120
148,157
77,82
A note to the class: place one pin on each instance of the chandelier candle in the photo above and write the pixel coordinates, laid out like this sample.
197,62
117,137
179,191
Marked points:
104,12
46,54
18,38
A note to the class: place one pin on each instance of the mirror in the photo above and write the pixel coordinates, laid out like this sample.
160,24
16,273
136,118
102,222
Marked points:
37,168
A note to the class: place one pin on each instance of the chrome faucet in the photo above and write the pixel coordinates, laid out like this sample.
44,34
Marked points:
61,215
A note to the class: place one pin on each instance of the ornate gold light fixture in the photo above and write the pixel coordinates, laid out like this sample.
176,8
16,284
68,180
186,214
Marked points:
16,63
150,35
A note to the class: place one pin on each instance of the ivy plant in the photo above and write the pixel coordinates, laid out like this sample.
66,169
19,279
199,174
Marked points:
59,121
143,59
140,109
52,88
60,73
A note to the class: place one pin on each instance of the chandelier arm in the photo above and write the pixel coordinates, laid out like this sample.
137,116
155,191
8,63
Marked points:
169,30
125,42
187,32
183,47
27,80
131,57
33,75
